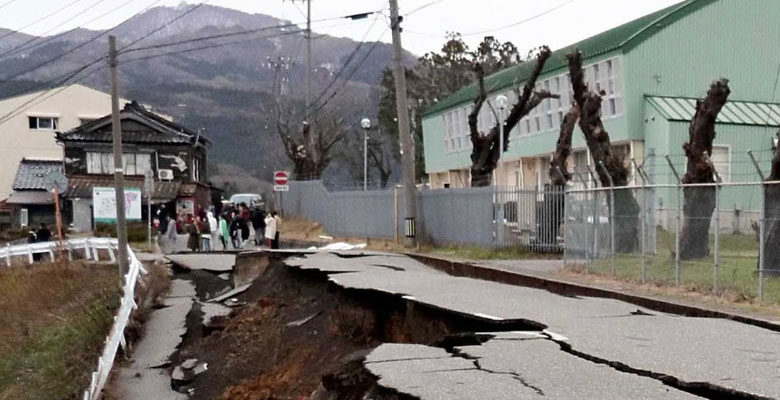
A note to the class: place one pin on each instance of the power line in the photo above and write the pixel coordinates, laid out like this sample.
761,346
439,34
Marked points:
6,4
39,20
92,39
430,3
365,57
166,24
523,21
14,49
346,63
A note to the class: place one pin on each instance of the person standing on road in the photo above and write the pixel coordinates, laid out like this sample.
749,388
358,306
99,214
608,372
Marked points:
170,234
235,231
278,228
224,233
193,242
270,230
258,224
213,228
43,233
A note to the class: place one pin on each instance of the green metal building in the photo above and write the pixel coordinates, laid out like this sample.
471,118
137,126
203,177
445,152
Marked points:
652,70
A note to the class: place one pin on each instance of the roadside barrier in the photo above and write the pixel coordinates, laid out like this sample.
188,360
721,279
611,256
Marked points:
91,248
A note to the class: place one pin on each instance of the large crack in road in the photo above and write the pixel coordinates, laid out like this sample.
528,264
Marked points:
354,326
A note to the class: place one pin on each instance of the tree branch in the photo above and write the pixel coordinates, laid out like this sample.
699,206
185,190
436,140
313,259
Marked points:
474,114
559,174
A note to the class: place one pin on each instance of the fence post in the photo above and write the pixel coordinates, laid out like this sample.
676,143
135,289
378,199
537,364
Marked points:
587,252
716,256
761,228
679,222
644,218
611,216
8,254
595,213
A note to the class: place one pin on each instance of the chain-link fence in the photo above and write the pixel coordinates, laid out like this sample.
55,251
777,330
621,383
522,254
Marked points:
717,238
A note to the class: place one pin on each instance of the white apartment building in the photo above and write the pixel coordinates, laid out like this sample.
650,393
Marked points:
28,123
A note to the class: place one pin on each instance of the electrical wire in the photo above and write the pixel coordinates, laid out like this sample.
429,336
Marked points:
166,24
21,47
365,57
423,7
90,40
38,20
349,59
7,3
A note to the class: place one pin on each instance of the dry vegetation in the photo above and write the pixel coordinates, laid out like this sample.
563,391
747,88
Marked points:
53,321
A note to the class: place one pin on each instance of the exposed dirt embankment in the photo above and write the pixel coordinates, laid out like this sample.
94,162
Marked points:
299,337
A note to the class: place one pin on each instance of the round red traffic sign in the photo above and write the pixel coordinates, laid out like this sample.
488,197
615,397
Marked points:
280,178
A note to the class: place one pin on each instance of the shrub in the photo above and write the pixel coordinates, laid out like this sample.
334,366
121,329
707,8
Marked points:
136,231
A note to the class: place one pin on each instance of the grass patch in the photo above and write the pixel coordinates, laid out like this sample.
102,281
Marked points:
53,322
479,253
736,277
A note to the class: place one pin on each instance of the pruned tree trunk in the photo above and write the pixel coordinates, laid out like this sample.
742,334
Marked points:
699,202
608,163
772,217
554,202
486,149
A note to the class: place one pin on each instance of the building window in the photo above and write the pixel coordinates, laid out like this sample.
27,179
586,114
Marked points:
721,160
196,169
44,123
103,163
83,121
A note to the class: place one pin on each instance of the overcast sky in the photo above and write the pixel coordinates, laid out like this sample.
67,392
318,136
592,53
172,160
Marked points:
556,23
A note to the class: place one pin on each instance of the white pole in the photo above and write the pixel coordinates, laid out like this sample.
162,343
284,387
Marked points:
365,159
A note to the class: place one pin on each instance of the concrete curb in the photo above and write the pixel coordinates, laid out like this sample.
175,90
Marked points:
467,270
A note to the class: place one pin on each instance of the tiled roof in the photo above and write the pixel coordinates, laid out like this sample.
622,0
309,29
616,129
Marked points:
31,197
32,173
625,37
160,130
733,112
81,187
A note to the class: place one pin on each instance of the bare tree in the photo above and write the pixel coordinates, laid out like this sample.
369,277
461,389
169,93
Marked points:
699,202
611,167
309,151
486,148
381,158
559,174
554,201
772,215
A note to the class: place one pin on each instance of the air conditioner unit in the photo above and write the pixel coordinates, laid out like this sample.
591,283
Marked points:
165,174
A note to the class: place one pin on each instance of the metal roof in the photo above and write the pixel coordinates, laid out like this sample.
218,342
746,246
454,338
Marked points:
81,187
38,197
32,173
150,128
733,112
626,36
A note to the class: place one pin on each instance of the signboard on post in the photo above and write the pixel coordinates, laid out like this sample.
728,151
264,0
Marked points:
104,204
281,180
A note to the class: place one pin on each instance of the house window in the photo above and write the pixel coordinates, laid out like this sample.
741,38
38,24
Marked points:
196,169
103,163
83,121
721,160
44,123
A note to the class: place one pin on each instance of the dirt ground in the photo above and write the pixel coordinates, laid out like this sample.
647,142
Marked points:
300,338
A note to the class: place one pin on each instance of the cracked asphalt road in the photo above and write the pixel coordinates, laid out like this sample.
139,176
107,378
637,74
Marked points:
591,348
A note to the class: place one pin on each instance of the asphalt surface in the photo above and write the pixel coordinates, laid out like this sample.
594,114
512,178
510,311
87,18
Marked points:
726,355
143,378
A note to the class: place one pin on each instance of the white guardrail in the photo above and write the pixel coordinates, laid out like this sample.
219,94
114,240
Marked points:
91,247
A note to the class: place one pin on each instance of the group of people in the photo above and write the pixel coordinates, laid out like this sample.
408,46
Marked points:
232,228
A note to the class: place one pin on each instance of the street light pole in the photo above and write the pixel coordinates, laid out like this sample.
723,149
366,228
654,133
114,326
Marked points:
366,124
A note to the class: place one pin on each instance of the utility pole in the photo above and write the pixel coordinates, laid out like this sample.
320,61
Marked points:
119,179
308,59
410,190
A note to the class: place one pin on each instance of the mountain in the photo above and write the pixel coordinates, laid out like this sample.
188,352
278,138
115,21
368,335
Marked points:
224,87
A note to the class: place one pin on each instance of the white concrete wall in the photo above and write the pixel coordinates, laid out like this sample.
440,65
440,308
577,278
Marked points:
17,140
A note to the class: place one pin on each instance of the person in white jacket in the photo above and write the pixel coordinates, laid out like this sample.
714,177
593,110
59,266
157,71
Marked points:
270,230
214,228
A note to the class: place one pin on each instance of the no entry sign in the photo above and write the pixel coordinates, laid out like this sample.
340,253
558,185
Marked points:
280,181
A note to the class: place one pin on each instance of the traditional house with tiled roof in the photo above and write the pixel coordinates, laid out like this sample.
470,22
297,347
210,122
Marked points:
651,69
174,155
30,203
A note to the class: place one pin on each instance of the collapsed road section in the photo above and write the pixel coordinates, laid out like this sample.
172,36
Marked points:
370,325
